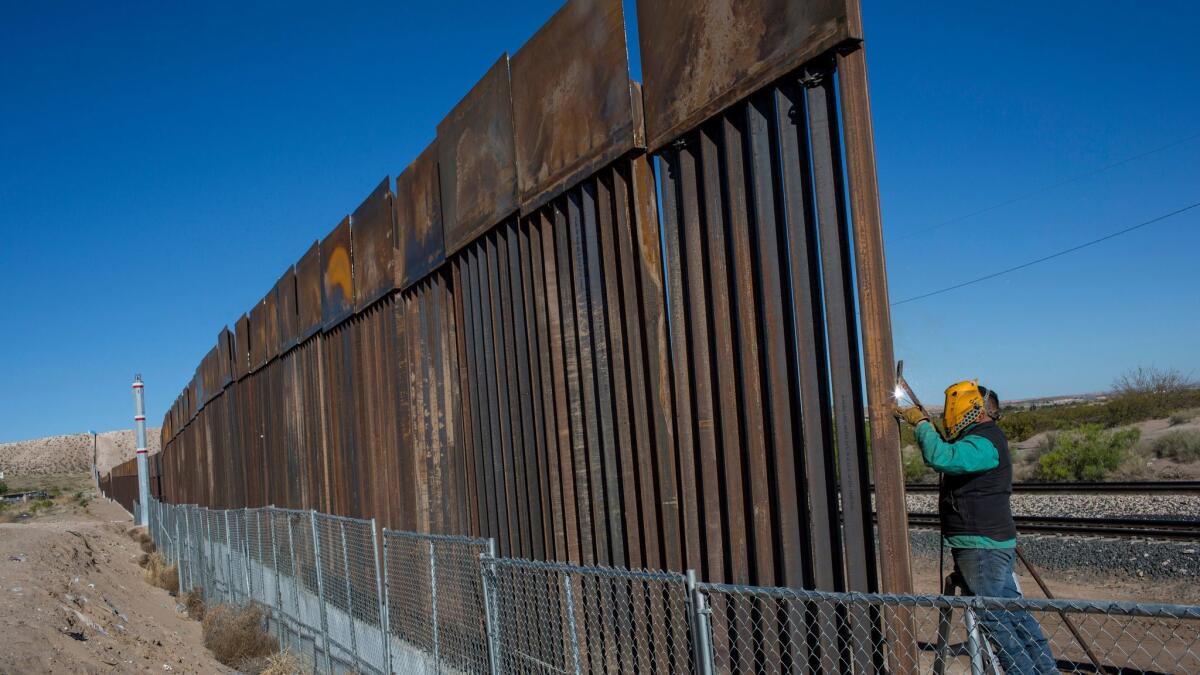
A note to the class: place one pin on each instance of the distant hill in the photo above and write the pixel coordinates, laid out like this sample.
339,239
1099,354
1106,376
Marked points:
72,453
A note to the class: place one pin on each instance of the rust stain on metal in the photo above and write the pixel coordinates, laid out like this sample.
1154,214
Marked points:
374,254
285,307
572,102
419,236
476,159
308,293
337,280
701,56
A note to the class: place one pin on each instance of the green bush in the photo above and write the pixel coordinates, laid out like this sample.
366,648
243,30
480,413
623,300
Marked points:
1182,417
3,488
1086,453
1127,408
915,470
1181,445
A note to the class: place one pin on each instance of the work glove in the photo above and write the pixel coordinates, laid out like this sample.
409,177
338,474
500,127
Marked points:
912,414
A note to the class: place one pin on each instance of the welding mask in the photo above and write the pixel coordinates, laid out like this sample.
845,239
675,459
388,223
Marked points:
964,403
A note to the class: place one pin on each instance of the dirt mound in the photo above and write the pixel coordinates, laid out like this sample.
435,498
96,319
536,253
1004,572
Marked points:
71,453
72,600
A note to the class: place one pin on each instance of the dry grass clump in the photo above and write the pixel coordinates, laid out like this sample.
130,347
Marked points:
193,602
236,637
142,537
159,573
279,663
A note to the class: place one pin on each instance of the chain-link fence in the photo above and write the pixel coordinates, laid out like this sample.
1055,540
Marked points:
345,599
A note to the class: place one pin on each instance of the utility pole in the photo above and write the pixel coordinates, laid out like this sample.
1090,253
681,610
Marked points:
139,419
95,457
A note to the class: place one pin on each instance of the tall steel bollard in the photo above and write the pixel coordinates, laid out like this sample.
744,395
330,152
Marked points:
143,469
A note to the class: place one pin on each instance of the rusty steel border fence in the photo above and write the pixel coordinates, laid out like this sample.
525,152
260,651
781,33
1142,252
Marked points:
517,338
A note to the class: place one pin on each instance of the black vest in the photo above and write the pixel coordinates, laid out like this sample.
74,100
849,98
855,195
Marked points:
978,503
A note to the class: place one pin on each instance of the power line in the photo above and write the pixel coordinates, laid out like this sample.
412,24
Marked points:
1052,256
1045,188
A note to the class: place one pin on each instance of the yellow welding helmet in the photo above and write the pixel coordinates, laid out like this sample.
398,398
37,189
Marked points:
964,403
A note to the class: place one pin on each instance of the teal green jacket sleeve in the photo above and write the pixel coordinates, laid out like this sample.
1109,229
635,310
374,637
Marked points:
972,454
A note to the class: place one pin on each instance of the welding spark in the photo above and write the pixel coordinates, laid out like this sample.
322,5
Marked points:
899,393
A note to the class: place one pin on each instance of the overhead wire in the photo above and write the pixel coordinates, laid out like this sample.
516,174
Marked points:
1052,256
1045,188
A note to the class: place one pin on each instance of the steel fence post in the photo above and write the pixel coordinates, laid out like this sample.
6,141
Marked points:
382,593
349,590
246,550
178,559
566,582
312,519
973,638
437,659
487,571
295,580
701,628
229,559
275,568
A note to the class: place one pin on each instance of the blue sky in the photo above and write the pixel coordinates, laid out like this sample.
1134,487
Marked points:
160,165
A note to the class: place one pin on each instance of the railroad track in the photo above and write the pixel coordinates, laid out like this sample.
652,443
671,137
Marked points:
1181,487
1138,528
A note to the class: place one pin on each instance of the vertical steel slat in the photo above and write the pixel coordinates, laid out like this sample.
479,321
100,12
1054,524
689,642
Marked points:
727,409
480,399
641,430
512,404
498,401
566,300
557,336
475,503
528,444
534,354
875,317
700,364
598,333
749,363
843,358
617,339
686,478
587,384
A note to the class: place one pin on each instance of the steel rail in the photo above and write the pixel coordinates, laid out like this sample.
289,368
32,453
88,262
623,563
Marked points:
1089,487
1141,528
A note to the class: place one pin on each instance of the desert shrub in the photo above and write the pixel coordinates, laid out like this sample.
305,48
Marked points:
1181,417
235,635
40,505
1181,445
193,602
3,488
279,663
159,573
915,470
1086,453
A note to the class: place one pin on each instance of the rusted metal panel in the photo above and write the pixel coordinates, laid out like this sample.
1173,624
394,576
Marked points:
226,350
337,278
241,343
258,336
701,56
270,318
419,236
374,225
285,308
572,103
476,159
308,292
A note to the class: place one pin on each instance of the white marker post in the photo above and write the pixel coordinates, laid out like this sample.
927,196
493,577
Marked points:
139,420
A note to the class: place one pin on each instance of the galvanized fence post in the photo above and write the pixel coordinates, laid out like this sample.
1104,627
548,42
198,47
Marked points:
178,557
229,559
321,591
246,550
487,571
382,594
187,545
349,590
566,582
698,615
437,659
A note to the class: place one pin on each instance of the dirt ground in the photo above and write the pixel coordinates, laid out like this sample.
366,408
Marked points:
73,598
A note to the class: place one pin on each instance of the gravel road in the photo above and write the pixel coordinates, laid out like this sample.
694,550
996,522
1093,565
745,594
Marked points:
1087,506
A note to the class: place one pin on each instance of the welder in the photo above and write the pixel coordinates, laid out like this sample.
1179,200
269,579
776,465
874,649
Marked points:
976,516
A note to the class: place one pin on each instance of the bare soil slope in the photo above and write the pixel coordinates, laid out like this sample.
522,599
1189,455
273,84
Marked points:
73,452
73,600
